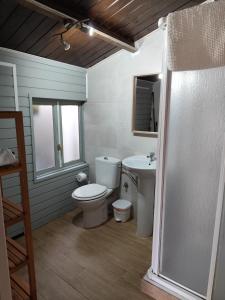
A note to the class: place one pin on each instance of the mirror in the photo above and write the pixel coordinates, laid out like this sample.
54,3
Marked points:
146,105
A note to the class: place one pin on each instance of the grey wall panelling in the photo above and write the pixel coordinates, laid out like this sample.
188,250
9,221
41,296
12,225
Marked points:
42,78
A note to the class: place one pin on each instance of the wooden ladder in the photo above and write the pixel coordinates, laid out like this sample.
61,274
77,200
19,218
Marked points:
18,256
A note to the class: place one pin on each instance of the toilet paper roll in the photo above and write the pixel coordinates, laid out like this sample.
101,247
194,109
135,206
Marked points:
81,177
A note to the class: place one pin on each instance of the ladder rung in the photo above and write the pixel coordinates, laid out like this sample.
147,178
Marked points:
6,170
17,255
20,289
13,213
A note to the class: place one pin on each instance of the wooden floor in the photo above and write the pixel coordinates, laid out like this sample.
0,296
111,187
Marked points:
105,263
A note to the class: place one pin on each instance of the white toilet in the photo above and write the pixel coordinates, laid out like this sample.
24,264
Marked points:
92,198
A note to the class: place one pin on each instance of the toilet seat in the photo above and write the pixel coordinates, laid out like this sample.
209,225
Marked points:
89,192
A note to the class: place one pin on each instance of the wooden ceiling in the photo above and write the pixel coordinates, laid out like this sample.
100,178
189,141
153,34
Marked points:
28,30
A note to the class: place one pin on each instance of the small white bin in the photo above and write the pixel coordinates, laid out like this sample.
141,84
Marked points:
121,209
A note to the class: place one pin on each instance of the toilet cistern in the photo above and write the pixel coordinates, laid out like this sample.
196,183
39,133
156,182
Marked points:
92,198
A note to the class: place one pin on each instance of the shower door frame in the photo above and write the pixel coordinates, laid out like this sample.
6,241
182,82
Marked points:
153,274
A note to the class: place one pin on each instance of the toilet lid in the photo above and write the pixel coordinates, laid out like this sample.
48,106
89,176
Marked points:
89,191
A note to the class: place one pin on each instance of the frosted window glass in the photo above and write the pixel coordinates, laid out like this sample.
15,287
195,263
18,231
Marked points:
43,137
70,131
192,172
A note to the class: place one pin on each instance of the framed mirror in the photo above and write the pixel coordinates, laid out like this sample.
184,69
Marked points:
146,105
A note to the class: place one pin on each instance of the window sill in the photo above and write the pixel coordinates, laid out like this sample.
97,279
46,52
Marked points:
62,171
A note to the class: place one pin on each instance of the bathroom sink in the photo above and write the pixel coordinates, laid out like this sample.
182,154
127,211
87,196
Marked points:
139,164
144,169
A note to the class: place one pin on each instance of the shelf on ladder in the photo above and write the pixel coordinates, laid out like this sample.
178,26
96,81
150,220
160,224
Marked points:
20,289
13,213
17,255
10,169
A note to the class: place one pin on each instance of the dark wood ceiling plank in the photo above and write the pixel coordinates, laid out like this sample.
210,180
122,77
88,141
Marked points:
119,7
151,5
100,58
34,33
70,4
76,12
78,2
84,5
126,16
99,10
94,43
73,62
11,26
125,21
100,48
145,31
141,29
191,3
6,9
47,46
59,11
87,51
146,13
131,20
35,36
103,10
151,15
94,55
154,26
46,40
31,23
88,4
76,40
78,51
130,15
65,7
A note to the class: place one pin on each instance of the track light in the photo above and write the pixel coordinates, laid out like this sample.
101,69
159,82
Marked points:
91,31
65,44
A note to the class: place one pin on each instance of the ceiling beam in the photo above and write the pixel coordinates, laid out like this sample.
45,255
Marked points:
54,10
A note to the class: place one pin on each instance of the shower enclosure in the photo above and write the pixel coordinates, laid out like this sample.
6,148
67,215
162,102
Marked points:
188,248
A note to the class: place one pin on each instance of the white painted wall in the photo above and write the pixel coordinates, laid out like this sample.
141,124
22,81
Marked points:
108,112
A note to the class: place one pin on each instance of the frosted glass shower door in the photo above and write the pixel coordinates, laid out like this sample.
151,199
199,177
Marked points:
194,143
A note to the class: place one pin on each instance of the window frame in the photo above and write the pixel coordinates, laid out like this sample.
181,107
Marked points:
60,167
15,85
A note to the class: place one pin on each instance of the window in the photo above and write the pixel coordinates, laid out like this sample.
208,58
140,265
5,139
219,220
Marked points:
56,135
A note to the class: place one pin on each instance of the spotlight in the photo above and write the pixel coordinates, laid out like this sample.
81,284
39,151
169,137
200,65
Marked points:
91,31
160,76
65,44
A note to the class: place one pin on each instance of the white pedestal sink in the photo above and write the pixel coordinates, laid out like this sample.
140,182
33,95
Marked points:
141,166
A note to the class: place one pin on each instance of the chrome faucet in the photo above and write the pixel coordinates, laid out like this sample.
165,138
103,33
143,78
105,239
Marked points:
152,157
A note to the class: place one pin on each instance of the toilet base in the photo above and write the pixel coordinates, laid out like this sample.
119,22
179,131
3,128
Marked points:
94,214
